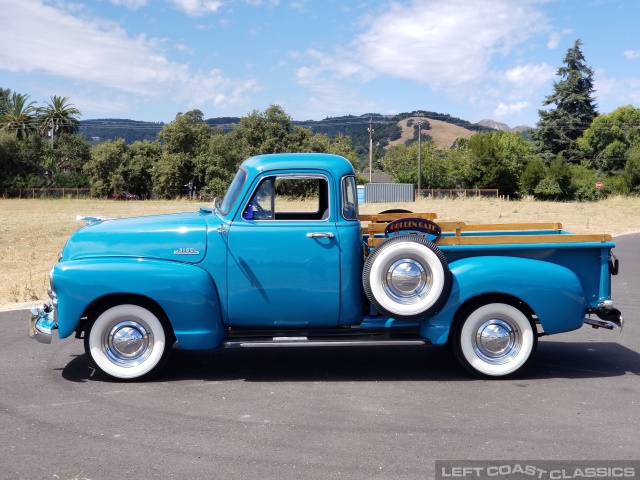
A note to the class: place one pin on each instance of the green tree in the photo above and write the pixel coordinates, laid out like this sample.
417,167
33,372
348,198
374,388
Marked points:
258,133
583,182
4,100
631,173
573,108
607,140
497,160
20,115
169,175
20,161
142,158
560,173
532,175
401,162
63,162
104,168
184,154
58,117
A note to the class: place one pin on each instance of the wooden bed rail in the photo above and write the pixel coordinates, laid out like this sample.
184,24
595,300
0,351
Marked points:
540,232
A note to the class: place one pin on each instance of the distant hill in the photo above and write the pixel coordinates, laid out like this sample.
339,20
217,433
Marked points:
387,129
102,129
442,133
495,125
503,126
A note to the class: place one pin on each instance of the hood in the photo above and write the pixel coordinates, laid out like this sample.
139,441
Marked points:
180,237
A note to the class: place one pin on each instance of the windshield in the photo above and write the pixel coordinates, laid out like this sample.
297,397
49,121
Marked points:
232,194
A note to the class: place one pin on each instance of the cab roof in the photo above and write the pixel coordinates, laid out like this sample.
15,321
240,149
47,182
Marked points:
336,165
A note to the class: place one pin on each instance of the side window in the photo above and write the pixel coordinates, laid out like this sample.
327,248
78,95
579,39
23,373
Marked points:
290,197
261,205
349,198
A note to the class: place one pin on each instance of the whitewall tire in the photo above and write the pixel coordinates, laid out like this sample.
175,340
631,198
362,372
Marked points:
127,342
406,276
494,340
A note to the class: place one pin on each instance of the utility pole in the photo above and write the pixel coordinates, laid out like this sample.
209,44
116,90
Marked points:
51,133
419,151
370,149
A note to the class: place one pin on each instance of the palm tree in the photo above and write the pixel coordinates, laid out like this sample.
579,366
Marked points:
19,116
59,117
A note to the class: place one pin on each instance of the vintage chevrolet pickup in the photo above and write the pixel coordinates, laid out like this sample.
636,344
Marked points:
260,270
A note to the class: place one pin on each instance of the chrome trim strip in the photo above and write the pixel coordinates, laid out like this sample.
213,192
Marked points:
319,343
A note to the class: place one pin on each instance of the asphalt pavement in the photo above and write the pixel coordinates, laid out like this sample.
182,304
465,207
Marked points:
369,412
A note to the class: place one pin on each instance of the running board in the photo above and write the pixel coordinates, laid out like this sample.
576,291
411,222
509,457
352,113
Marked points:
305,342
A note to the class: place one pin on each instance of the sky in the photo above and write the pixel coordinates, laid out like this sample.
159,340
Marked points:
473,59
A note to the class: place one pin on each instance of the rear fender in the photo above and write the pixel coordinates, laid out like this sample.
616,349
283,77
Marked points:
185,292
554,293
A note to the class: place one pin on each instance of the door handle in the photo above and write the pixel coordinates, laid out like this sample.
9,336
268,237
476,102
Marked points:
320,235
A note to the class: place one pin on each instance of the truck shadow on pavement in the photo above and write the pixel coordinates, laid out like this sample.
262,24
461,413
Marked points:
571,360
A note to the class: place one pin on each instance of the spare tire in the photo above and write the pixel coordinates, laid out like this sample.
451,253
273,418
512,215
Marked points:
406,276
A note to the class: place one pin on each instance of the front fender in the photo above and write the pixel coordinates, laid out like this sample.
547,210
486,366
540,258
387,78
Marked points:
185,292
553,292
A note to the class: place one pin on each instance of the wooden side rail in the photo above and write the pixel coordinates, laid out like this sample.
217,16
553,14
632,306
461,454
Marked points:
513,239
388,217
491,227
379,223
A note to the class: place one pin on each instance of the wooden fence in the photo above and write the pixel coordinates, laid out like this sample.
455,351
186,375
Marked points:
457,193
45,192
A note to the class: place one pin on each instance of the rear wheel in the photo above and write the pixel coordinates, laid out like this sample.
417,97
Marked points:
494,340
127,342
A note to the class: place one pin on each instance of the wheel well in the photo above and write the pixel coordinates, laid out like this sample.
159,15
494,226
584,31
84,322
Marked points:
475,302
99,305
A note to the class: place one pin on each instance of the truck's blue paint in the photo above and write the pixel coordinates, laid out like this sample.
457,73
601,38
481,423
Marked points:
186,294
157,236
216,269
531,281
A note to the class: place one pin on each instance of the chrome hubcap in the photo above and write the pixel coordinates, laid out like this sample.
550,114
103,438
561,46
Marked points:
128,343
497,341
407,281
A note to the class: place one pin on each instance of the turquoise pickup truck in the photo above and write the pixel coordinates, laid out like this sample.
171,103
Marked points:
259,269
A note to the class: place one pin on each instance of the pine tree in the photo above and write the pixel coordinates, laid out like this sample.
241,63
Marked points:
559,128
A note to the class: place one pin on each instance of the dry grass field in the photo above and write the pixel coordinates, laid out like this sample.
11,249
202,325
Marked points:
32,232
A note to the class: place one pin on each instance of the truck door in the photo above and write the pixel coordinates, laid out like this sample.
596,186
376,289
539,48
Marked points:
284,257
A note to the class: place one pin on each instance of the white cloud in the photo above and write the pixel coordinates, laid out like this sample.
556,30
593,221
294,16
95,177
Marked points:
455,47
530,76
554,40
556,37
505,110
197,8
103,56
130,4
632,54
611,93
445,43
434,43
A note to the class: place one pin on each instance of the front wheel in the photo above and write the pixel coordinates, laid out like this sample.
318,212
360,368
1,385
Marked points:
494,340
127,342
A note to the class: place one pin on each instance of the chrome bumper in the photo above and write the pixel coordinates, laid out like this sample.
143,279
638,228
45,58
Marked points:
42,321
609,317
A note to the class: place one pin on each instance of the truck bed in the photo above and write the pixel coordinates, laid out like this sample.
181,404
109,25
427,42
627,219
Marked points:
462,233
